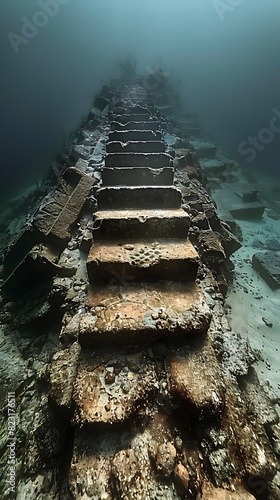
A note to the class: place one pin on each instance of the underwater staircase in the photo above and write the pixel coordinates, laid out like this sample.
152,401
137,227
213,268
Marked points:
150,395
144,341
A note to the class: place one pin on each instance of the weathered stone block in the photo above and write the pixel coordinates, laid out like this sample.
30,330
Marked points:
267,264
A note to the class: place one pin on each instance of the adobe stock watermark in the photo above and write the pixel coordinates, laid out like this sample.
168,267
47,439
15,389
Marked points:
265,136
223,7
30,27
11,442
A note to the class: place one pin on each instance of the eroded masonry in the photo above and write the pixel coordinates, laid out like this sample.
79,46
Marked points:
129,382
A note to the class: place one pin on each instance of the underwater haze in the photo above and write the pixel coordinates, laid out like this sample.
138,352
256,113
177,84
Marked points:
55,55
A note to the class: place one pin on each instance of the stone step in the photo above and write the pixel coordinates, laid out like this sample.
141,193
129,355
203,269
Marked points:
146,260
131,224
132,118
134,135
141,313
117,461
122,109
137,176
116,392
137,197
153,160
150,125
195,379
135,147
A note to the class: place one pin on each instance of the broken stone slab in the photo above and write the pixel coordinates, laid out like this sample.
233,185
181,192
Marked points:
115,224
54,221
135,147
134,135
204,149
196,380
146,260
238,208
212,165
63,372
80,151
130,313
132,118
137,176
267,264
229,241
137,197
150,126
153,160
106,391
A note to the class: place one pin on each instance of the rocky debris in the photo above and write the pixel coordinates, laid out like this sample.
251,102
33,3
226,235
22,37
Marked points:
210,248
257,456
181,479
233,352
127,476
211,493
258,401
165,459
267,264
